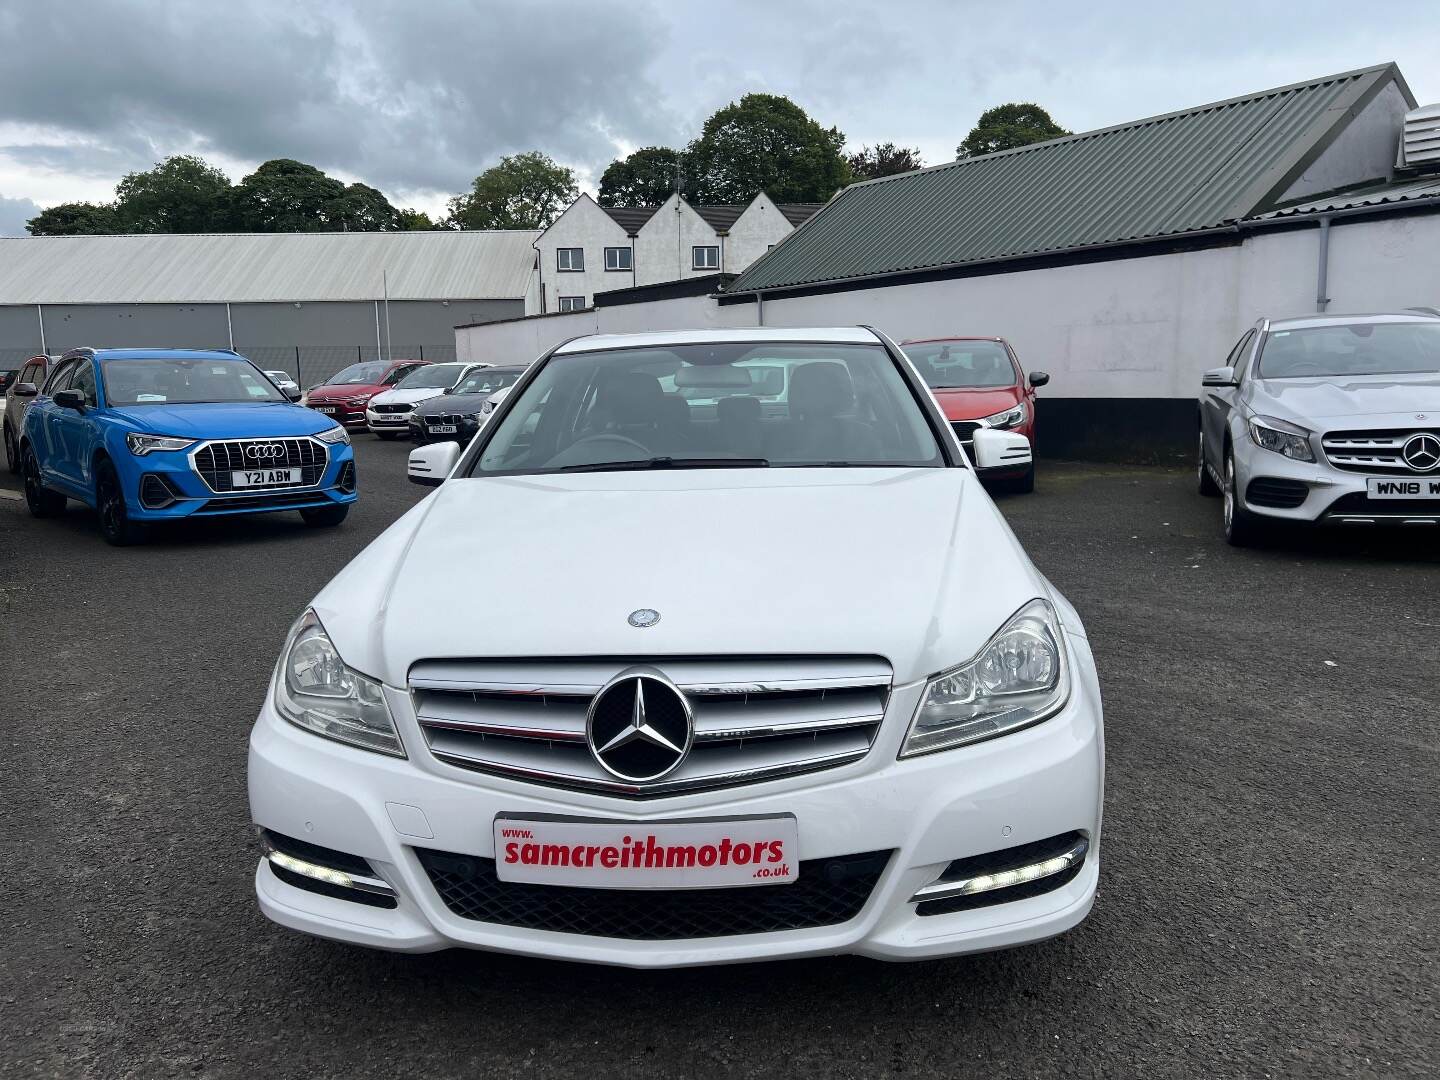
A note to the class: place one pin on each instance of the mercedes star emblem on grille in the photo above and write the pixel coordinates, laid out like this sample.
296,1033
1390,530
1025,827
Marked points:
1421,452
639,726
643,617
265,451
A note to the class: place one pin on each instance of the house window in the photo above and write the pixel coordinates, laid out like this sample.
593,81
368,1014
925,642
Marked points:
570,259
705,257
572,303
617,258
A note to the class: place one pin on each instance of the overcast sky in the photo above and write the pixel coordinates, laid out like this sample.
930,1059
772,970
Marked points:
417,96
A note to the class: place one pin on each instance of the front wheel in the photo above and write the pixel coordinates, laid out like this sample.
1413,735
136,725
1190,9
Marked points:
1242,528
1026,483
43,502
325,517
1204,482
12,451
114,516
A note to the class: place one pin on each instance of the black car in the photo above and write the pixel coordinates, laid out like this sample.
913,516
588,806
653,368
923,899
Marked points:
455,414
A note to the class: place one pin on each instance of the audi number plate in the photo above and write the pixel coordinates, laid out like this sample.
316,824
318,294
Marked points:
443,429
1403,487
647,855
264,477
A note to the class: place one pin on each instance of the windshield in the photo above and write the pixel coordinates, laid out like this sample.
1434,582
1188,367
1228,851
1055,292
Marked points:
358,374
488,380
434,375
156,381
968,364
629,408
1404,348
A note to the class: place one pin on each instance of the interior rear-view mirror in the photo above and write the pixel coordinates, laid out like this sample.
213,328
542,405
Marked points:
430,465
713,377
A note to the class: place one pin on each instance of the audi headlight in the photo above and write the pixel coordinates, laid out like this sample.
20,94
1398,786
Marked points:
1009,418
316,691
1018,679
140,445
1282,437
334,435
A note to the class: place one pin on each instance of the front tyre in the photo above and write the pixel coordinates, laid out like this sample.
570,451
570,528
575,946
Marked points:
114,516
12,451
1025,484
1204,482
43,502
1242,528
325,517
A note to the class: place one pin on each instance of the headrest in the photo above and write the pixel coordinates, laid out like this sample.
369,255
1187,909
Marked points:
740,408
821,390
632,397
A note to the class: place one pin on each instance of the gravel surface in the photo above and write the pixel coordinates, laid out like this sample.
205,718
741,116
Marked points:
1267,904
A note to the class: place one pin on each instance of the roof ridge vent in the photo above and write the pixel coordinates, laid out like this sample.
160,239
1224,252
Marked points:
1420,139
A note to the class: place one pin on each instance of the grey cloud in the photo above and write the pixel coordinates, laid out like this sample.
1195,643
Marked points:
13,215
415,96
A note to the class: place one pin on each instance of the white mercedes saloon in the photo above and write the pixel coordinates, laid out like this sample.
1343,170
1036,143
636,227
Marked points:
768,676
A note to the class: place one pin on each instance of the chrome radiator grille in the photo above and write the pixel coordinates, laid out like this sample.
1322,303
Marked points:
1371,451
215,461
753,719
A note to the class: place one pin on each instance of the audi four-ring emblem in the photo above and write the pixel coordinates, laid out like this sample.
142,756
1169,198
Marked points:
264,451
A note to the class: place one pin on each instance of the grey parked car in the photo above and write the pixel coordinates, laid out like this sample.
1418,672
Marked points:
1327,418
20,390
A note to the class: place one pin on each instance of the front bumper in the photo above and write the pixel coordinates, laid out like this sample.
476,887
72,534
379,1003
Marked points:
419,429
344,414
193,498
927,811
1330,496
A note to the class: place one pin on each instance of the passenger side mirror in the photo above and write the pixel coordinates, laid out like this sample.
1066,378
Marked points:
292,394
994,449
70,399
430,465
1039,378
25,389
1220,376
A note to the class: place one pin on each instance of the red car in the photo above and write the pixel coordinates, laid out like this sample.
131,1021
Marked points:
979,383
345,394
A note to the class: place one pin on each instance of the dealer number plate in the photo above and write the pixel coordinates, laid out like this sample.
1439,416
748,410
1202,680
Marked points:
647,855
1403,487
264,477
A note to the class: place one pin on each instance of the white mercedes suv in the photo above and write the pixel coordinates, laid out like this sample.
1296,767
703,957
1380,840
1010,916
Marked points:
1326,418
769,676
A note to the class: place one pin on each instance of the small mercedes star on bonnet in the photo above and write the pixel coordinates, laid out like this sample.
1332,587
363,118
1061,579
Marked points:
865,724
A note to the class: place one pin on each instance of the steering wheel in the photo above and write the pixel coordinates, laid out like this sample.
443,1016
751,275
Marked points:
569,455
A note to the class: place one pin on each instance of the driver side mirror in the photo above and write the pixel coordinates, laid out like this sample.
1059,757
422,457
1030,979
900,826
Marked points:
1039,378
448,390
70,399
430,465
995,449
1220,376
25,389
292,394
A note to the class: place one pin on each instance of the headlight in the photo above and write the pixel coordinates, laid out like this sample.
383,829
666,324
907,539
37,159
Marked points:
316,691
1287,439
1019,678
140,445
334,435
357,401
1007,419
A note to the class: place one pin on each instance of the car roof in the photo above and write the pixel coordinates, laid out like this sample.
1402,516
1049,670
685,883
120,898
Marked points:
163,354
1305,322
760,335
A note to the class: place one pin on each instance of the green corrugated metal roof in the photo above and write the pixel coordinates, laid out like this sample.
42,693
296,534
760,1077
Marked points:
1166,175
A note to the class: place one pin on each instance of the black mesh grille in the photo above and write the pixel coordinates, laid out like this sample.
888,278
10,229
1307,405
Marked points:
393,408
155,491
965,429
827,892
289,501
217,460
1360,504
1273,491
347,477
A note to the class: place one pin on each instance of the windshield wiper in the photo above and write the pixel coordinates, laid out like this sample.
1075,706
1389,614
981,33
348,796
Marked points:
668,463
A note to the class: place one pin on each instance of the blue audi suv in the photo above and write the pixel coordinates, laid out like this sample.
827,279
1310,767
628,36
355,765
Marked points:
150,435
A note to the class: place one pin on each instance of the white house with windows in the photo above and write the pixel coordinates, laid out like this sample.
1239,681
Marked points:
591,249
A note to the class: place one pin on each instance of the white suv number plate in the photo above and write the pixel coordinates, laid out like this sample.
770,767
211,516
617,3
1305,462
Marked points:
264,477
1403,488
647,854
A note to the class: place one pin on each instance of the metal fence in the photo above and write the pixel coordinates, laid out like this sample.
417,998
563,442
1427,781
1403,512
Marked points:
307,364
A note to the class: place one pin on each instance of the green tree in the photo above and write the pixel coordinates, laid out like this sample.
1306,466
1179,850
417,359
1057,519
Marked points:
182,194
411,220
645,178
1007,126
524,191
75,219
765,142
362,209
884,159
287,196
